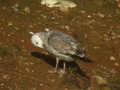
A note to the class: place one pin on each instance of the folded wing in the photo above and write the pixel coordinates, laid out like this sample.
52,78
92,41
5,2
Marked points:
63,43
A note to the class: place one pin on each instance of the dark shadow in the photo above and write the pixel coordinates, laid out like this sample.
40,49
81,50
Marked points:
72,68
86,59
77,69
49,59
52,61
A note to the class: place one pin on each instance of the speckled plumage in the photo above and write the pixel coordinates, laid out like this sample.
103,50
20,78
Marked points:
61,45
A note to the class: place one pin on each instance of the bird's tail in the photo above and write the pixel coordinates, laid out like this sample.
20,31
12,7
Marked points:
80,53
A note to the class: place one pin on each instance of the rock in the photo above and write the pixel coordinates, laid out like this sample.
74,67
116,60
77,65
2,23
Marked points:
100,80
27,10
100,15
63,5
112,58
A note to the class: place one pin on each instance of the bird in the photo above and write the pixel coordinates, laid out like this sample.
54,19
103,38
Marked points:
59,44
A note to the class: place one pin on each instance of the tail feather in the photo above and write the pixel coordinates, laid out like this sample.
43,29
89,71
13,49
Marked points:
81,53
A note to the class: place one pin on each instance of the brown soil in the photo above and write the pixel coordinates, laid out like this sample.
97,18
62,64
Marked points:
94,23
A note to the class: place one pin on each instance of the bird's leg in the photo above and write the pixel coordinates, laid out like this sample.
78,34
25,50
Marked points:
62,72
64,65
56,67
57,62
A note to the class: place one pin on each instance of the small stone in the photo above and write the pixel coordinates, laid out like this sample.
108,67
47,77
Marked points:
117,0
52,80
0,58
112,58
89,16
2,84
66,88
32,71
118,36
100,80
116,64
31,26
96,47
9,35
22,41
41,84
10,24
100,15
67,27
53,18
27,69
63,5
15,7
31,63
5,76
83,12
27,10
4,8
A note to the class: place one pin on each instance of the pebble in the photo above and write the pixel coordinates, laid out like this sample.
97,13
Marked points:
83,12
67,27
100,15
117,0
10,24
63,5
112,58
4,8
1,58
100,80
27,10
2,84
41,84
22,41
52,80
31,26
27,69
116,64
15,7
96,47
32,71
66,88
5,76
118,36
89,16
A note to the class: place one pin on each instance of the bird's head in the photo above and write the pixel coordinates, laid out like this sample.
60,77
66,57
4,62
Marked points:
37,39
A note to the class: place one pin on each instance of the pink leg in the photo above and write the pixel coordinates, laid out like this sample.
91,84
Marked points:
56,67
62,72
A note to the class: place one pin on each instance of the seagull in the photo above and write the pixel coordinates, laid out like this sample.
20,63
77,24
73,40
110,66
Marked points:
61,45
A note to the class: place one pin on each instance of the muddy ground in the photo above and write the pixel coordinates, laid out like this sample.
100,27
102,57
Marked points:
94,23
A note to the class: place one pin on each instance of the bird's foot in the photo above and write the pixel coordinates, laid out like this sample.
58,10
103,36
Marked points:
61,72
52,71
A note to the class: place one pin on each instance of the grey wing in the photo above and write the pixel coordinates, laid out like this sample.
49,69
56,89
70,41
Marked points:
63,43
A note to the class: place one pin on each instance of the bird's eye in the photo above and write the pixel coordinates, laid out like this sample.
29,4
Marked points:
36,42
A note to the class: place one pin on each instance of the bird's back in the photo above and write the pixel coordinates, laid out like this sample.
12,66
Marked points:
61,44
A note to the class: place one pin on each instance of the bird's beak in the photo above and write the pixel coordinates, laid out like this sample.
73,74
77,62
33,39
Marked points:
31,33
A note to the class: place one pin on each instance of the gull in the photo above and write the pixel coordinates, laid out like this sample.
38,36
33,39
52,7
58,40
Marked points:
59,44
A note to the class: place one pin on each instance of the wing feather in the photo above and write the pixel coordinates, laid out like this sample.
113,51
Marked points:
63,43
